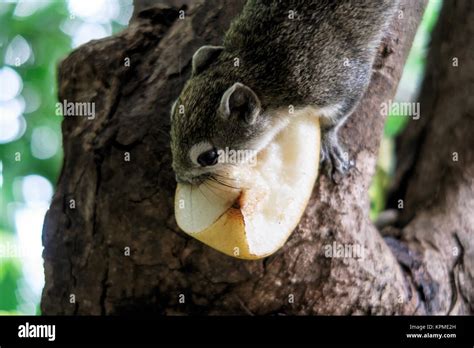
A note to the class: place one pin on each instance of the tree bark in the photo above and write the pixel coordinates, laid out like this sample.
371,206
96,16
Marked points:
434,178
116,190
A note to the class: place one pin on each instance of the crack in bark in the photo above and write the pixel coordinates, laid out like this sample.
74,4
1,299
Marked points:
104,287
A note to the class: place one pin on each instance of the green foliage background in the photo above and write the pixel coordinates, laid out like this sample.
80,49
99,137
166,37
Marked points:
407,92
49,44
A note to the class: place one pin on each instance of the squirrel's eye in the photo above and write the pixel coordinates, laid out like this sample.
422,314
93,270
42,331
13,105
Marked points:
208,158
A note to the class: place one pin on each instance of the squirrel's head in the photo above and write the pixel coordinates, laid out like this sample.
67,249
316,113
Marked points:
213,114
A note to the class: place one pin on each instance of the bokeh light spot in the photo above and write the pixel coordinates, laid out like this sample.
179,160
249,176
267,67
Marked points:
44,142
10,83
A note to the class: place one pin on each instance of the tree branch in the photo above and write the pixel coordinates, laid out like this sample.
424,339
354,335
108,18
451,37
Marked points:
122,204
437,183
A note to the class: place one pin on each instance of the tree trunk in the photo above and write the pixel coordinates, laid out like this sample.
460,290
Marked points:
112,245
434,178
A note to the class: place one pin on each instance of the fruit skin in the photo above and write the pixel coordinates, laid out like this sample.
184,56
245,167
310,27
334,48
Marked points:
231,225
226,234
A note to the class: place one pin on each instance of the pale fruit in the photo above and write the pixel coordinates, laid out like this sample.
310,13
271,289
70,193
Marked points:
256,218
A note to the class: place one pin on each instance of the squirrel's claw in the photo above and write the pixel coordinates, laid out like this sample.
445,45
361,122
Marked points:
334,158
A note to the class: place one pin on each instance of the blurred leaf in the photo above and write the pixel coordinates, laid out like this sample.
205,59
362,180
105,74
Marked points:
394,125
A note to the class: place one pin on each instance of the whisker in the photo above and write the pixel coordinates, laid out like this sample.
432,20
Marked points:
213,178
202,192
219,185
210,188
222,181
225,177
214,185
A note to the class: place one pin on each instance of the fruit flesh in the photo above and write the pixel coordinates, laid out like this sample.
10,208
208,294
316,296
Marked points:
256,221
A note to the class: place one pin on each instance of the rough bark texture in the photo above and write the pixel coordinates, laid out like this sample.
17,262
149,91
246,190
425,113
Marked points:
435,176
122,204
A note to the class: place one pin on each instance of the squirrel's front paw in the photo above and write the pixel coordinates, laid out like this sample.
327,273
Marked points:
333,157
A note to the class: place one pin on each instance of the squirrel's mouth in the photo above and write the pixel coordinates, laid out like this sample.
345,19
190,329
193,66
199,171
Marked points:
251,211
194,180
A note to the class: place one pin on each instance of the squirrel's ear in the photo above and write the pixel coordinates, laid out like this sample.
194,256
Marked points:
241,102
204,56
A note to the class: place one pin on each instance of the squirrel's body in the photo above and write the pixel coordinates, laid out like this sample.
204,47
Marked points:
318,57
278,55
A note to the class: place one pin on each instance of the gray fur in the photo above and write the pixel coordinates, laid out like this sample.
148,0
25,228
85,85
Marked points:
284,61
203,57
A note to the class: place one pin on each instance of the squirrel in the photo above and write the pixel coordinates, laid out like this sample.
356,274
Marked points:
276,55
